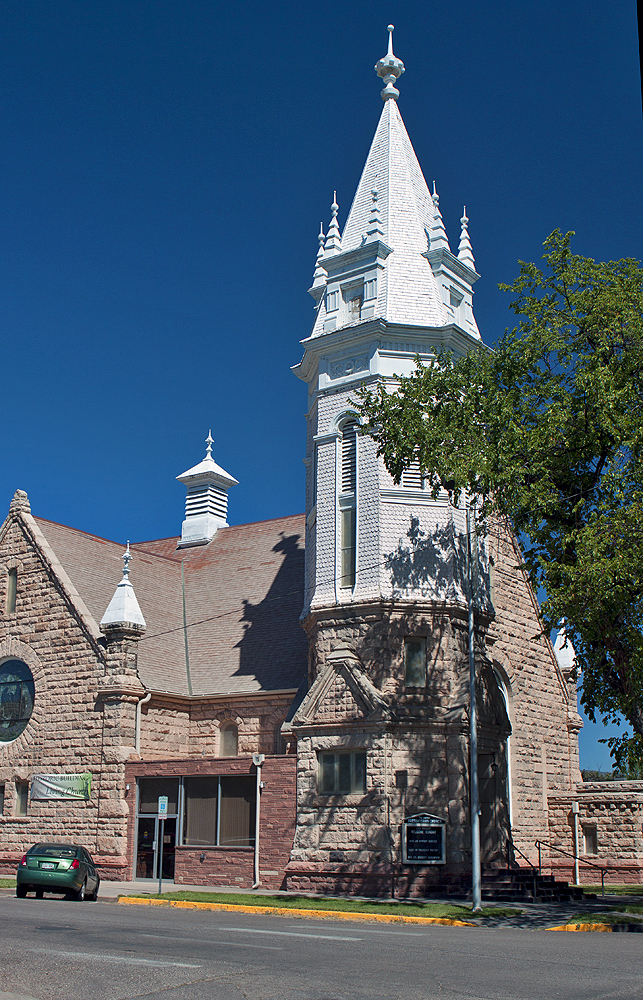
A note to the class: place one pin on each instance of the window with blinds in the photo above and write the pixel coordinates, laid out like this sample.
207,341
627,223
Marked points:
219,811
348,511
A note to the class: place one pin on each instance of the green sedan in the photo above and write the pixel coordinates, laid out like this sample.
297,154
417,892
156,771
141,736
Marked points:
64,868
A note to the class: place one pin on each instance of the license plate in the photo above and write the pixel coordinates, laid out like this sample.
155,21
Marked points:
47,864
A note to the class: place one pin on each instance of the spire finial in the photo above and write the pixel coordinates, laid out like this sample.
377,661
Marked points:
333,239
209,442
465,251
389,69
127,558
438,235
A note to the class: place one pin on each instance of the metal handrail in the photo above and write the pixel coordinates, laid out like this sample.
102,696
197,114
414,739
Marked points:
601,868
531,865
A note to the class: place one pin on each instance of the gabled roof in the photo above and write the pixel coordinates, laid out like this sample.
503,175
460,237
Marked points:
243,598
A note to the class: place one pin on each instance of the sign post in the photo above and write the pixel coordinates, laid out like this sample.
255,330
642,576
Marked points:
162,813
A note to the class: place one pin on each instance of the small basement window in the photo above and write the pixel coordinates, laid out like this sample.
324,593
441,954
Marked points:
342,773
590,840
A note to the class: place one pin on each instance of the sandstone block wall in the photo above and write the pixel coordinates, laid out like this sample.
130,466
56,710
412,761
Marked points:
610,818
76,725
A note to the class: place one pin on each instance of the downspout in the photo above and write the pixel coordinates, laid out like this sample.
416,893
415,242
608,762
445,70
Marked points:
142,701
257,760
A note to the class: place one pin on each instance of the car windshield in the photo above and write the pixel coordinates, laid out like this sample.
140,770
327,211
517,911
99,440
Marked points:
54,850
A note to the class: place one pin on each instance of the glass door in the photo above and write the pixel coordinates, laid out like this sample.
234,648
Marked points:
148,833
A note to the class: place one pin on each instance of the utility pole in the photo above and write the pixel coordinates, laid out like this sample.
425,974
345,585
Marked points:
474,798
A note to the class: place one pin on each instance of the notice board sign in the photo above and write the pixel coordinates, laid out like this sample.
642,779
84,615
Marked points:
424,840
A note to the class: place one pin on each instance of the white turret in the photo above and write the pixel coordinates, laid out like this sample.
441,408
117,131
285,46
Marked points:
123,612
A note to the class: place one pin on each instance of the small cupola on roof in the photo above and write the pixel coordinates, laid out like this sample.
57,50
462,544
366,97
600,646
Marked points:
123,612
206,503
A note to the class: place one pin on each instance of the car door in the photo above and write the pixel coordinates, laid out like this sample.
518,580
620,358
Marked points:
92,876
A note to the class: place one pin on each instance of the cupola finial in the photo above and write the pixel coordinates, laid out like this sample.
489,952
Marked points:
389,69
209,442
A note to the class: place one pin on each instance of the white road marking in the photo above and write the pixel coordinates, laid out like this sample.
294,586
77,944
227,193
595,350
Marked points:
227,944
319,937
122,959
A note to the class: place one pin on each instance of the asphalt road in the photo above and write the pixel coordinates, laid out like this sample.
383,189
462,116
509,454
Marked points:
56,950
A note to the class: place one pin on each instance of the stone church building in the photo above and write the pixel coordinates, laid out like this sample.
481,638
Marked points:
298,688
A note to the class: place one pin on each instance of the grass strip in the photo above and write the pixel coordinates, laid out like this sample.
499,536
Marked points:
389,908
601,918
7,883
615,890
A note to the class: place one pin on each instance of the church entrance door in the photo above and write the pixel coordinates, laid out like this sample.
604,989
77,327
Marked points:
493,808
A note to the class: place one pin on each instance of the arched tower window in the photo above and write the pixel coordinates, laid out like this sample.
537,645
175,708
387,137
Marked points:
347,503
229,740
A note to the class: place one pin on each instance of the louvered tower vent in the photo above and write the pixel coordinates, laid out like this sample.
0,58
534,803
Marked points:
206,503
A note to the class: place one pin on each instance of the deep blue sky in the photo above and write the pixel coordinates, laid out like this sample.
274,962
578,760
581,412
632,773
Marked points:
166,166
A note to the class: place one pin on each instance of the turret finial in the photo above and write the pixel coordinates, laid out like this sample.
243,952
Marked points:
389,69
465,251
320,275
209,442
333,239
438,235
127,558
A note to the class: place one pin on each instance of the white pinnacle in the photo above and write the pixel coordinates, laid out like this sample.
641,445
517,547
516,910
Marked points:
465,251
333,239
438,233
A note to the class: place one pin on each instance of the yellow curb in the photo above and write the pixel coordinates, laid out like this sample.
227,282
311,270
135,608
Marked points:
582,927
288,911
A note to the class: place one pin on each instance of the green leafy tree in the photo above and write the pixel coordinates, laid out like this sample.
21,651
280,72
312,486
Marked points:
545,430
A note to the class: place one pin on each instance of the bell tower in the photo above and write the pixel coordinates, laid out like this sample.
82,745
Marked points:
386,289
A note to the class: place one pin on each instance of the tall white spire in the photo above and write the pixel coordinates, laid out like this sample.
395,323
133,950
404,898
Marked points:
392,261
123,612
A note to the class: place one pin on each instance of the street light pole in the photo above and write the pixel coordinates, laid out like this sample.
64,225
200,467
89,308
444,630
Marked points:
476,890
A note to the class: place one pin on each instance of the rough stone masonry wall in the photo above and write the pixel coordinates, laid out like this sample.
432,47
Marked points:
227,866
614,809
542,702
355,839
172,726
67,729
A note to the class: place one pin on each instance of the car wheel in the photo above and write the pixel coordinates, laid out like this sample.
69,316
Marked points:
80,895
21,891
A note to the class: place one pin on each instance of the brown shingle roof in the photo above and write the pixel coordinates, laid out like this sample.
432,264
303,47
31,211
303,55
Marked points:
243,598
